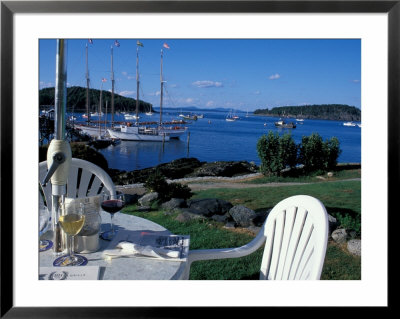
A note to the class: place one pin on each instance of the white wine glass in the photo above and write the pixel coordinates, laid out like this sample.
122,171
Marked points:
71,222
112,204
44,223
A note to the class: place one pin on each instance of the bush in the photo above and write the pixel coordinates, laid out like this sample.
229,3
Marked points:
315,154
157,183
276,153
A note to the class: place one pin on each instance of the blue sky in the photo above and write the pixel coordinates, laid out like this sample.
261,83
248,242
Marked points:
245,74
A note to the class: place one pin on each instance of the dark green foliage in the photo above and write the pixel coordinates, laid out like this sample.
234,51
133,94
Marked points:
76,100
337,112
280,152
315,154
276,153
82,151
176,190
158,183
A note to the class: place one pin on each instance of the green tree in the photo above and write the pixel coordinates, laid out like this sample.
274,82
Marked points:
276,153
315,154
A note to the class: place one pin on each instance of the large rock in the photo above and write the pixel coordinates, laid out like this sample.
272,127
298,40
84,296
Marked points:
242,215
209,206
227,169
186,216
175,169
174,203
340,235
354,247
148,198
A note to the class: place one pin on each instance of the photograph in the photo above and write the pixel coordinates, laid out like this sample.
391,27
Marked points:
187,155
203,137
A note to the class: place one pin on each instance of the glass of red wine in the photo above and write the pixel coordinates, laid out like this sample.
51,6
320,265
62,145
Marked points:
112,204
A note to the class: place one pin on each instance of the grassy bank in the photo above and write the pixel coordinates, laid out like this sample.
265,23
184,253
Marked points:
339,197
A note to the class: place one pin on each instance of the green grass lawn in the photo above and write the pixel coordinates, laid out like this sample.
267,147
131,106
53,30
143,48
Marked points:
339,197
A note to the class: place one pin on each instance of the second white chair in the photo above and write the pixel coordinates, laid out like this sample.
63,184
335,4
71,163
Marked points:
295,234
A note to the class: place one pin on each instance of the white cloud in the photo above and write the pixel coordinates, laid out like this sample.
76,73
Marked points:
257,92
189,100
127,93
356,81
274,76
210,103
207,84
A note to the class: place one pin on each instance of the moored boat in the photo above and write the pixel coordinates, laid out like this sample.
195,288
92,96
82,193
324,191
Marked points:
284,124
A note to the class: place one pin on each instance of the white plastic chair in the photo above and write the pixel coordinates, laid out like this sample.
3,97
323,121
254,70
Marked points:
84,179
295,235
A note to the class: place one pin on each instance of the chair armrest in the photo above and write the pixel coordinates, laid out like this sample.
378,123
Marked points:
222,253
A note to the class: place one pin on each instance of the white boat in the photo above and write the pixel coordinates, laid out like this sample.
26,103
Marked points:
131,117
349,124
230,117
359,125
138,133
299,120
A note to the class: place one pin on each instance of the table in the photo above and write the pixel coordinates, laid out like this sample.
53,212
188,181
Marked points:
132,268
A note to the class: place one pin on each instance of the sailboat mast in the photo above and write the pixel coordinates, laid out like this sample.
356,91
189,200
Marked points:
87,85
99,112
112,89
161,81
137,83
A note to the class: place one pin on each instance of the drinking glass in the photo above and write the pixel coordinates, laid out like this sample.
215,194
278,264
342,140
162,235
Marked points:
71,222
112,204
44,223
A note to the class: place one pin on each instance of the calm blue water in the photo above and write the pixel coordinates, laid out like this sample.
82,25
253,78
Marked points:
214,139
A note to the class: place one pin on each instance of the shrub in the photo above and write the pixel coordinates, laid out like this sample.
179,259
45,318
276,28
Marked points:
276,153
157,183
315,154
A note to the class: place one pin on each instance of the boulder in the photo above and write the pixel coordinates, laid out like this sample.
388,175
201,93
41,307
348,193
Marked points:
339,235
242,215
148,198
174,203
209,206
223,168
221,218
187,216
354,247
332,223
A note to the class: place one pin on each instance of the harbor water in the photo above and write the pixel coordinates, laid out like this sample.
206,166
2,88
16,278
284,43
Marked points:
212,138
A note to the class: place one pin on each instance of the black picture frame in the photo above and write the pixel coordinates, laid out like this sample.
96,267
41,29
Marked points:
9,8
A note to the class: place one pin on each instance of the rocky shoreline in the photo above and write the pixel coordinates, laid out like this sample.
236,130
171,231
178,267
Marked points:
187,169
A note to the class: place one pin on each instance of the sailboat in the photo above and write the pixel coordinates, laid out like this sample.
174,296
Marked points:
230,117
133,131
174,131
89,128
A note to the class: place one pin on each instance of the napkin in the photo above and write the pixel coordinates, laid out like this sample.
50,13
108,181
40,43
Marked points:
127,248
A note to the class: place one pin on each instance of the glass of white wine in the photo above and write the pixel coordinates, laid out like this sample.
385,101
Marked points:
71,222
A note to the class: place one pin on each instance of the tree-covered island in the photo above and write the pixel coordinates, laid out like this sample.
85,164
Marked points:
337,112
76,100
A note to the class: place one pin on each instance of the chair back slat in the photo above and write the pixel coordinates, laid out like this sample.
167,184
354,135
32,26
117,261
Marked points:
84,183
72,185
299,216
95,187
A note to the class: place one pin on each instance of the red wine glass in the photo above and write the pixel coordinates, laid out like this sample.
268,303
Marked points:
112,204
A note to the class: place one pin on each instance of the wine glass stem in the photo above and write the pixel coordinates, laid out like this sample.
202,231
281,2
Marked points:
112,225
71,247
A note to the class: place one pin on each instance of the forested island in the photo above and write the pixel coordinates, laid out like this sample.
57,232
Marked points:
337,112
76,100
